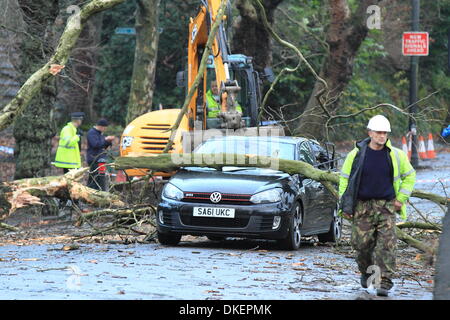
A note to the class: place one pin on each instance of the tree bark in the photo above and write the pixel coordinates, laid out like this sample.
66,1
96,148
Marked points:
33,145
344,37
21,193
250,37
144,69
172,162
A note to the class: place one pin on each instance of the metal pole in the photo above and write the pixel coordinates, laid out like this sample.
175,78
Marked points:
414,70
448,54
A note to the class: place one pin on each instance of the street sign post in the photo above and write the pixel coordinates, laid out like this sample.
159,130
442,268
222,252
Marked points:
415,44
130,31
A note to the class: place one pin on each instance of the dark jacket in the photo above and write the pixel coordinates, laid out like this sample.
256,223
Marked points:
403,173
96,145
348,199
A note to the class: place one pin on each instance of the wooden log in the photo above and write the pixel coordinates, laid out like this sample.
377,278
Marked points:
168,162
172,162
20,193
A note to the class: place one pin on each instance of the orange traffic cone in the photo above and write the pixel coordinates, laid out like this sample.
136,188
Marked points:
409,147
404,145
431,154
422,150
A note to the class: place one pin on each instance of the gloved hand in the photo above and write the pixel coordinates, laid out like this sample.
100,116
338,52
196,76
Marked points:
446,132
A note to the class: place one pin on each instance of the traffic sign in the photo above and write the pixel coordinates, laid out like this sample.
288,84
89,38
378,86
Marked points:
415,43
125,31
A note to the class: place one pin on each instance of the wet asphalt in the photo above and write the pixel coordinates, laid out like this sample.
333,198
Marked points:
203,269
200,269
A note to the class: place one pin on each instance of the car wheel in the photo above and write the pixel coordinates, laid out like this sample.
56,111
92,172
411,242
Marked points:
293,239
169,239
335,232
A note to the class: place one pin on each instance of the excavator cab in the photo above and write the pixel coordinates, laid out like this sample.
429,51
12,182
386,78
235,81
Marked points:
239,97
247,93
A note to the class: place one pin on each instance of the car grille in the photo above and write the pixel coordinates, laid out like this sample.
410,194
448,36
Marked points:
266,223
189,220
227,198
167,218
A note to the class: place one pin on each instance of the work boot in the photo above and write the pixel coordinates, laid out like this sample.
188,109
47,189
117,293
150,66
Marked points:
364,278
385,286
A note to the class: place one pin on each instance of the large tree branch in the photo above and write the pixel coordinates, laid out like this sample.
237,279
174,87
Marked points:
66,44
172,162
21,193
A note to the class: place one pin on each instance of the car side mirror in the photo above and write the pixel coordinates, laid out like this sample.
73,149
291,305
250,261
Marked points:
181,79
269,75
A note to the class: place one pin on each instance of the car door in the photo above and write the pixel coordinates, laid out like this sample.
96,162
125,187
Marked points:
327,203
314,193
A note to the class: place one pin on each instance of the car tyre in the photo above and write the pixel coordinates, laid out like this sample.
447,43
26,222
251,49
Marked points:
293,239
335,232
169,239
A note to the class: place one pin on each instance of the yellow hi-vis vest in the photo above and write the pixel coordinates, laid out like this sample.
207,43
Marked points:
214,107
68,152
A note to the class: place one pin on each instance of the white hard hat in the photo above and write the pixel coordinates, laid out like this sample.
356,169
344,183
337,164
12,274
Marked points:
379,123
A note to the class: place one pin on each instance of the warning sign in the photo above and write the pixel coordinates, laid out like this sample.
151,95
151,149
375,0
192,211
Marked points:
415,43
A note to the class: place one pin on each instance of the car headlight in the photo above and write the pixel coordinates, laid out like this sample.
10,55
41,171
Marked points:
172,192
268,196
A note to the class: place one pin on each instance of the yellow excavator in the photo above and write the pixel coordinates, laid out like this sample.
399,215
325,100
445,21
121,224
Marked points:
239,97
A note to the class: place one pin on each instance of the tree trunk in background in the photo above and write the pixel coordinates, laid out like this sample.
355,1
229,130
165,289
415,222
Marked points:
33,143
75,91
250,37
143,79
345,35
11,20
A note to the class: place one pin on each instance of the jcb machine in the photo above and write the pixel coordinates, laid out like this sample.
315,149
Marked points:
238,96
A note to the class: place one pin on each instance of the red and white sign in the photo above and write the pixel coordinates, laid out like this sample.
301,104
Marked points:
415,43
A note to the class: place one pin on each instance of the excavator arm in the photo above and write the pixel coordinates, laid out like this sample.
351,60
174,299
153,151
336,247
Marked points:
199,29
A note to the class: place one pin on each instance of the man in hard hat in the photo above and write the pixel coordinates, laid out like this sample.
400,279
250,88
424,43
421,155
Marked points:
68,152
375,182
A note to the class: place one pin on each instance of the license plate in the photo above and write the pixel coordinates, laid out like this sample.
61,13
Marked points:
213,212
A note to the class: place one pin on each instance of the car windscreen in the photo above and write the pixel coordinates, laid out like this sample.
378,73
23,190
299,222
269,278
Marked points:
269,148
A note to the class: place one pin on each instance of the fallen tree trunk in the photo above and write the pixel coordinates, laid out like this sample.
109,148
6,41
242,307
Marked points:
173,162
169,162
21,193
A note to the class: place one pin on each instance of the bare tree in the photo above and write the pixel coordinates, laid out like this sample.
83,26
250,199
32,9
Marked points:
345,34
250,36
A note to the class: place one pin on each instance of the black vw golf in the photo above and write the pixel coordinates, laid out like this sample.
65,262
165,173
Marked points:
251,202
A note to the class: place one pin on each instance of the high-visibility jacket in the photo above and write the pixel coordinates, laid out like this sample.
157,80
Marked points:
404,176
214,106
68,152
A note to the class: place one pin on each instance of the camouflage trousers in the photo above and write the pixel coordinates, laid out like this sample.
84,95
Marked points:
374,238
